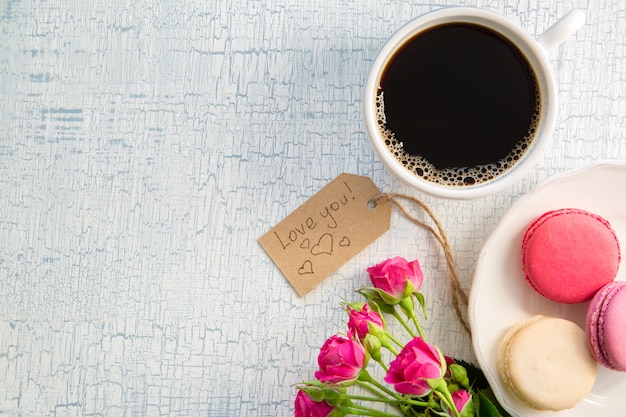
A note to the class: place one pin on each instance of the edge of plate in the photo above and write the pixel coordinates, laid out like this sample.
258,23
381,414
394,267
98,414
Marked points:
476,283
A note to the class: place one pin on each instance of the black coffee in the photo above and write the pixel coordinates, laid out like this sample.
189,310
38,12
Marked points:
458,104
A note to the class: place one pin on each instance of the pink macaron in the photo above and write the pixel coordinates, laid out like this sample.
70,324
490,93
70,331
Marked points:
569,254
605,326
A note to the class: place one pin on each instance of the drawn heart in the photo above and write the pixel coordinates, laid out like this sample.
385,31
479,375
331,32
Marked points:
324,245
344,242
306,244
306,268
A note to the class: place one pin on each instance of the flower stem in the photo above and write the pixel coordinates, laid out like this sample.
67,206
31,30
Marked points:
408,306
417,326
364,377
386,344
391,401
443,393
376,391
401,320
383,365
409,401
360,410
394,340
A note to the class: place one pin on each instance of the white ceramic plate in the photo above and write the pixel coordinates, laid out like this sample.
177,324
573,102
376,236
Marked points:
500,297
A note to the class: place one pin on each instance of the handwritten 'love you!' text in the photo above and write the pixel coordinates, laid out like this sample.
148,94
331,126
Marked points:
325,218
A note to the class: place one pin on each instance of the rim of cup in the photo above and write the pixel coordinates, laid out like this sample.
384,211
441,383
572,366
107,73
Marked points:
527,44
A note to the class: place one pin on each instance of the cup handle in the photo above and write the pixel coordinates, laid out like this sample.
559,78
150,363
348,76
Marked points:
562,29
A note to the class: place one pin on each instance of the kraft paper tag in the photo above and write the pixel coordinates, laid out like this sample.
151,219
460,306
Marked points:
325,232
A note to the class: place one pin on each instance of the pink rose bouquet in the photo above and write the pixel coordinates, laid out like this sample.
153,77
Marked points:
419,380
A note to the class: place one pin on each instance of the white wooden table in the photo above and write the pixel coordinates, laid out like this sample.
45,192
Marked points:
145,146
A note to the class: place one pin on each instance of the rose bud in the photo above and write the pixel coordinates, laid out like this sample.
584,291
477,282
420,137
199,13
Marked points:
462,402
359,321
373,346
459,374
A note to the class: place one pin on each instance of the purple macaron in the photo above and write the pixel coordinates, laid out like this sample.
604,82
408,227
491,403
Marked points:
606,326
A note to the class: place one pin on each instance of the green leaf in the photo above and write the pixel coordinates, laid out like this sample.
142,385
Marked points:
379,298
316,394
375,305
486,407
368,292
358,306
422,302
408,288
488,395
387,298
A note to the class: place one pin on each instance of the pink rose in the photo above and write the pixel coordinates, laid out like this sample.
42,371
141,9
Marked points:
358,322
462,402
304,406
341,359
391,277
416,364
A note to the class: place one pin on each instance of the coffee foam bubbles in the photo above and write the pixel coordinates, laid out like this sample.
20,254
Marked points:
457,176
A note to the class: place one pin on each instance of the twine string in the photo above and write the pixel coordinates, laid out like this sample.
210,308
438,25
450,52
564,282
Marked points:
460,298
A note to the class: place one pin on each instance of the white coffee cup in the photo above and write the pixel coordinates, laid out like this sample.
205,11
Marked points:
535,50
